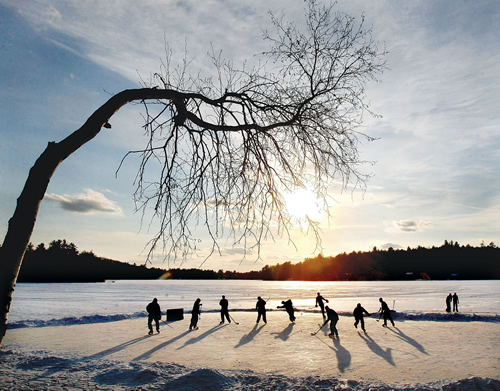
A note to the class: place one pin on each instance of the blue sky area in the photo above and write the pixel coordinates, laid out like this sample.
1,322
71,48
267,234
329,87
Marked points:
437,153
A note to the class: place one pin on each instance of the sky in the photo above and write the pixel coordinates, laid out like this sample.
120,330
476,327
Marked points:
435,162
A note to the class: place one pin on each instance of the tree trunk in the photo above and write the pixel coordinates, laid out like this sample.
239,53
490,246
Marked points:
23,220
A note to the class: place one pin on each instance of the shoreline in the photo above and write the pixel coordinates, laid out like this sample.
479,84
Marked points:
398,316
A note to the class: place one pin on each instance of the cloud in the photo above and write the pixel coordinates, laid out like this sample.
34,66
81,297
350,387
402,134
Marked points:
387,246
89,202
138,48
410,225
438,150
236,251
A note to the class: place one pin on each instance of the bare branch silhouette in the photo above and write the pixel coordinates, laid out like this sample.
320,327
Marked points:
221,151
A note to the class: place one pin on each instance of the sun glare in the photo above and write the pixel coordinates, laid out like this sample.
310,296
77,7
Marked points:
301,203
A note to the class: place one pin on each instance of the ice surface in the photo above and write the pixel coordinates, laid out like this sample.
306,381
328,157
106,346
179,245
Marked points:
93,336
44,302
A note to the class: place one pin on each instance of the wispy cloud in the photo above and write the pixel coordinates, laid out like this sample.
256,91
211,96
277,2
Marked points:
89,202
387,246
410,225
236,251
436,175
139,48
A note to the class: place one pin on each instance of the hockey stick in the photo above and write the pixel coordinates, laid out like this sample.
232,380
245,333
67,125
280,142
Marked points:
165,322
318,330
233,319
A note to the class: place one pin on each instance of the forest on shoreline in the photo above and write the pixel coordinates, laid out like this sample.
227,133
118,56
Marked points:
62,262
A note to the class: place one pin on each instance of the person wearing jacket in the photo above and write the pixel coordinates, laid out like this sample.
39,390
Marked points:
195,315
358,316
333,318
288,306
154,314
261,309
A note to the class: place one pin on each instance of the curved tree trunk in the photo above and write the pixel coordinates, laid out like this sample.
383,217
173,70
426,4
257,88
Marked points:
23,220
317,94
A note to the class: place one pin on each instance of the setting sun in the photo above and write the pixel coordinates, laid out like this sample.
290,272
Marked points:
303,202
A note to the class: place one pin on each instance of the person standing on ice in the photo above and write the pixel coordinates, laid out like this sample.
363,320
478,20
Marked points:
449,299
319,302
154,313
385,312
288,306
358,316
224,312
455,302
333,318
195,315
261,309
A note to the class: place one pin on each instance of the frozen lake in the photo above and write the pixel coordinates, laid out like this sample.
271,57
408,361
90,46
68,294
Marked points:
39,302
384,359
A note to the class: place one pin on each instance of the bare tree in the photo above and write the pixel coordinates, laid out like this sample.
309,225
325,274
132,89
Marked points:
227,147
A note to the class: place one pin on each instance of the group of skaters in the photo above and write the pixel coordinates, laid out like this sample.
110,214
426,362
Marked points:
329,314
449,299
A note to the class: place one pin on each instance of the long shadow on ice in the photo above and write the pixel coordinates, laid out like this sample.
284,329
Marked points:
201,336
150,352
285,334
250,336
375,348
343,355
117,348
402,336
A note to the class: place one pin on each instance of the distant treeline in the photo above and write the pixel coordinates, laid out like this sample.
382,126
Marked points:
450,261
62,262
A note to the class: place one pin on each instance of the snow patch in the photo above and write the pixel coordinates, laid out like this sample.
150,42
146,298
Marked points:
429,316
20,370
